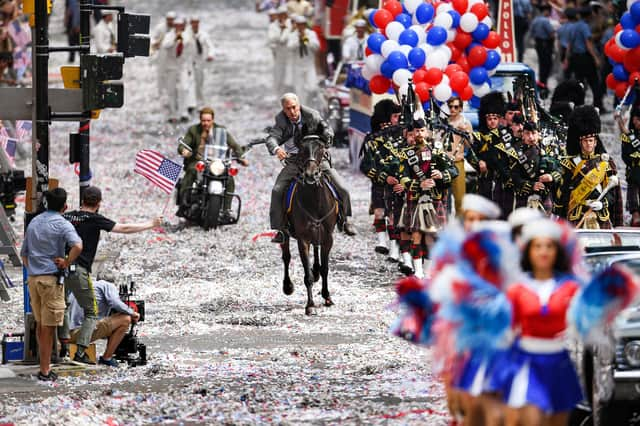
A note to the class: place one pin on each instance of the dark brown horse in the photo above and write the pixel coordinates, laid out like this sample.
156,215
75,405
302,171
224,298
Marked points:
312,218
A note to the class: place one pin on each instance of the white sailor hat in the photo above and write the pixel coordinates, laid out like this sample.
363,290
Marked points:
194,18
171,15
523,215
282,9
360,23
481,205
541,228
179,21
299,19
272,11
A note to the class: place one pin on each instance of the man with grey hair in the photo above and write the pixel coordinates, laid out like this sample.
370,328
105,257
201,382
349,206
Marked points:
282,142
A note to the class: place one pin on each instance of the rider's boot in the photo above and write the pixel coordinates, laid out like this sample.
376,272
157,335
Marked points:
418,270
348,228
394,251
279,238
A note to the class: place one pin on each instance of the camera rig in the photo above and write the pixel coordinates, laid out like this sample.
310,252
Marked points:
130,350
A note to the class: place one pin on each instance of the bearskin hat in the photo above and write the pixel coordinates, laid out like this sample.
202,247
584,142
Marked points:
561,110
491,103
382,112
569,91
583,121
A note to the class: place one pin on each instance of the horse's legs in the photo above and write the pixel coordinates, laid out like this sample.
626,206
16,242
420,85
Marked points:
303,248
287,285
324,271
316,263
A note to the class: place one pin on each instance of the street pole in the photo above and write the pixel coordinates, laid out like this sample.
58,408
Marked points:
84,177
39,148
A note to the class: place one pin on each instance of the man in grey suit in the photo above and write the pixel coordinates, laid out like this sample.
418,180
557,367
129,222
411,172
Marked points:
281,142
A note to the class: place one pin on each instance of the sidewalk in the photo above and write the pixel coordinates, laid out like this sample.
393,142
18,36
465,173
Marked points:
21,378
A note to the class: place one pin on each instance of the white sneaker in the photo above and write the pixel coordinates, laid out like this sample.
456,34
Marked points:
418,270
382,246
394,251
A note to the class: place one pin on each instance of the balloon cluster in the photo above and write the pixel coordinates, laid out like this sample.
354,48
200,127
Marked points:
445,47
623,51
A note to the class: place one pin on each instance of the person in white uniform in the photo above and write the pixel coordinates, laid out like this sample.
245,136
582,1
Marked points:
179,48
354,46
202,55
157,36
104,37
300,73
277,38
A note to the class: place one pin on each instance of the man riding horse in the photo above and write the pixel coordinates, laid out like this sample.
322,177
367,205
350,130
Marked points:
283,141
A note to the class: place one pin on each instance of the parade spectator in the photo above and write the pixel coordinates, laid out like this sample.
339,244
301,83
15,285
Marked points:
202,56
7,74
354,46
179,49
104,38
300,72
543,34
583,59
43,254
8,11
88,223
157,36
521,15
262,5
114,319
72,25
457,151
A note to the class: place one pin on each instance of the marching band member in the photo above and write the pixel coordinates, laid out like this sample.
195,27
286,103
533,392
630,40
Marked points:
300,73
157,36
203,54
277,37
178,46
631,157
588,175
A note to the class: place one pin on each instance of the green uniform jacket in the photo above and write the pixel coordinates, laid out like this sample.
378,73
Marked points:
192,138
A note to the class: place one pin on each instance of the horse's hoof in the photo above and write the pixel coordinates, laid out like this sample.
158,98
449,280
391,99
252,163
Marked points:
310,310
316,277
328,302
287,287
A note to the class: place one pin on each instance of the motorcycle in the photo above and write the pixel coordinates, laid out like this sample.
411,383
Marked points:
203,202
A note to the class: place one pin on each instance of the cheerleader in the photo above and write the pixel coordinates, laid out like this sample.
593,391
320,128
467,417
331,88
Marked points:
538,381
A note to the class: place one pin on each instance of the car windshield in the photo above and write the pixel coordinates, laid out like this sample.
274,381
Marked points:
593,240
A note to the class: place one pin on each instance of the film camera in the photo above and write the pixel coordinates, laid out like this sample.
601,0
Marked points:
130,350
11,183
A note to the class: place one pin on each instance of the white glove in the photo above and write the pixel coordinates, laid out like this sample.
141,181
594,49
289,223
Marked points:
594,205
613,180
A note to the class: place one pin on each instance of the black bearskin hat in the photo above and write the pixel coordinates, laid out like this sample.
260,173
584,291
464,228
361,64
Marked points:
561,110
583,121
491,103
569,91
382,112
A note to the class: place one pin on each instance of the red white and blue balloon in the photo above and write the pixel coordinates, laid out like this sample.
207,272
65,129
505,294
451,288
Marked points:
623,51
446,48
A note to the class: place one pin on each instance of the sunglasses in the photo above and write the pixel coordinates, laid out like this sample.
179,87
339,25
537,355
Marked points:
456,106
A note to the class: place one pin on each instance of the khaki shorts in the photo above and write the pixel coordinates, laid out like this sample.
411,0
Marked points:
104,329
47,300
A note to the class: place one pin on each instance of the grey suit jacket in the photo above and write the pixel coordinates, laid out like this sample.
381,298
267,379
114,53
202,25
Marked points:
283,129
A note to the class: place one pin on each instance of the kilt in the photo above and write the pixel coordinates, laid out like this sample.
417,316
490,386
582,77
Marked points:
394,203
633,197
419,216
377,196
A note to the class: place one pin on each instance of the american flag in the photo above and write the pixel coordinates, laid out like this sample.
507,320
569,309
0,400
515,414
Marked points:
158,169
23,128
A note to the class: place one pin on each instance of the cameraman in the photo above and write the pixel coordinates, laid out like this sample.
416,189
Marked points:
113,326
88,223
43,254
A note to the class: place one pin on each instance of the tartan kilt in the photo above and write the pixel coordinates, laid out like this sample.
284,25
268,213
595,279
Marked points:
377,196
394,203
420,217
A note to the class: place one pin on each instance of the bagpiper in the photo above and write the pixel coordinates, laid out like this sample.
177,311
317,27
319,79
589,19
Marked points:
630,138
585,196
427,174
385,116
490,133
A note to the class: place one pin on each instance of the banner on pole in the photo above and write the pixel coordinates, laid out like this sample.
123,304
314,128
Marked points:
505,29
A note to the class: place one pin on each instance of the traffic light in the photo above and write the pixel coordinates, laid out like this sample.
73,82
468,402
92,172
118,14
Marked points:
96,71
133,34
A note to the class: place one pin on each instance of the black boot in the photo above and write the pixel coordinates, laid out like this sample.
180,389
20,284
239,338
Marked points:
279,238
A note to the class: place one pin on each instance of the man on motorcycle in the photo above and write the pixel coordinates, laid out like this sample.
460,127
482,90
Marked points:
281,142
192,148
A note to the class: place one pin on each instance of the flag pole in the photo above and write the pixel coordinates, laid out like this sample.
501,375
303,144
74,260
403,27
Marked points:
166,205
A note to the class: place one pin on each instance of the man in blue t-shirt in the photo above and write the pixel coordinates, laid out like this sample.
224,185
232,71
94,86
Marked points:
583,59
544,35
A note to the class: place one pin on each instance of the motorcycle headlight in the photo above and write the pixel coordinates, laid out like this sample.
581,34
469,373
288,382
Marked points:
217,167
632,353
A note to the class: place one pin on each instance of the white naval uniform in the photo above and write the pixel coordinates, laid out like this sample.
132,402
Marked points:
300,72
104,37
178,69
157,36
200,60
277,38
353,48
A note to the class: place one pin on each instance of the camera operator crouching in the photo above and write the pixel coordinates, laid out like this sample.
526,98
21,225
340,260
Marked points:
88,223
112,327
